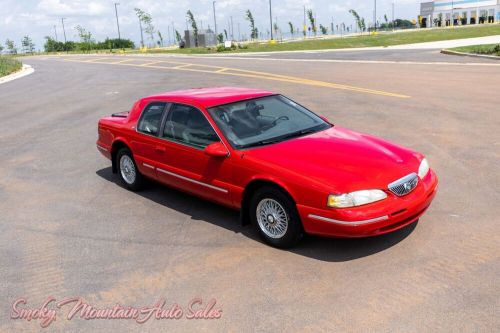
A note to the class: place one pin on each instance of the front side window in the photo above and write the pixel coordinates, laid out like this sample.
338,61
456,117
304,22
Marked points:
187,125
151,119
265,120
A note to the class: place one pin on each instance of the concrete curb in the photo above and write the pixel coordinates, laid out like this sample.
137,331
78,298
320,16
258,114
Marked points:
26,70
465,54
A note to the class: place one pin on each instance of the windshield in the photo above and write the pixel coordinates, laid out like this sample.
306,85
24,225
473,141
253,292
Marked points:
265,120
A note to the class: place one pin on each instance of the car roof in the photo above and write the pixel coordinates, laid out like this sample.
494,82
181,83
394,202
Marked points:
209,97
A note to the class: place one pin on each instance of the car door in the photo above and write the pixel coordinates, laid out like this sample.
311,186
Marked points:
145,140
182,161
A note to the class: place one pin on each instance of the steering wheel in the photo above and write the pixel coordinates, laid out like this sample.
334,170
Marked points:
274,122
223,115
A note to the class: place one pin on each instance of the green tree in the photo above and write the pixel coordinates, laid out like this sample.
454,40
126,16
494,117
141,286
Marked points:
86,41
192,21
312,21
147,20
324,30
276,29
225,33
28,45
292,30
253,30
114,43
358,20
405,24
178,36
1,48
161,38
220,38
11,46
51,45
139,12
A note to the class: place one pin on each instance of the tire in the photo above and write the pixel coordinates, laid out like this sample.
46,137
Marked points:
283,228
128,172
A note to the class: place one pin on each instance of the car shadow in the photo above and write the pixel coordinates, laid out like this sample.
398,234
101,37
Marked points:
320,248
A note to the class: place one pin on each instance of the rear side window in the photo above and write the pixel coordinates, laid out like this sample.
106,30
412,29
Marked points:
151,118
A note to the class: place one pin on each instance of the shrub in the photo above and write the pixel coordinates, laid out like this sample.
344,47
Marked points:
9,65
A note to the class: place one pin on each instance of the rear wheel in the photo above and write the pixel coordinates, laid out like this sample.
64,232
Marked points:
127,169
274,215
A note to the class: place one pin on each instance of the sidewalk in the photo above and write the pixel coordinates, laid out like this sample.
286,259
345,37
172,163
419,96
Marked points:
445,44
438,45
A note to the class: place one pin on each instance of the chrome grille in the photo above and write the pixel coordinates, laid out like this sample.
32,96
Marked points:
404,185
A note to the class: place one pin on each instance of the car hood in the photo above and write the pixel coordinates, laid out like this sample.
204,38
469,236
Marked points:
341,159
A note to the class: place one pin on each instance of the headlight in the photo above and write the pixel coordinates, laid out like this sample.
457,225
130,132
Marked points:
423,169
357,198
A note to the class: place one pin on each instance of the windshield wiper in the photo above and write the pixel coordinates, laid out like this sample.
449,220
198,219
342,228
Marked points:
278,139
299,133
259,143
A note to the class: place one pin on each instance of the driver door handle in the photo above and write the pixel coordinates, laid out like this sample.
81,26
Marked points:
160,149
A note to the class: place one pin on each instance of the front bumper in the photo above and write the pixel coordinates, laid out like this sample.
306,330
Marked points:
373,219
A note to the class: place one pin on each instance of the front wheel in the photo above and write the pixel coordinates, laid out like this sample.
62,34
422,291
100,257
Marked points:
274,215
127,169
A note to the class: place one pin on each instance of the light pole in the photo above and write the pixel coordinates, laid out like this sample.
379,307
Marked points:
452,21
142,36
64,30
304,26
215,20
477,12
375,16
174,34
393,16
232,29
55,31
117,24
271,18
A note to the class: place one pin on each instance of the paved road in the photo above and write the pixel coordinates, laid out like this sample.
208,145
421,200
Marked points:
381,55
68,229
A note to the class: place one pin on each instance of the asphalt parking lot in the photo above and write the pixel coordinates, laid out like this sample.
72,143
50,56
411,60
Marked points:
69,229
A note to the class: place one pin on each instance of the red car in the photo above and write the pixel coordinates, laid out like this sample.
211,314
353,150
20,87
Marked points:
287,170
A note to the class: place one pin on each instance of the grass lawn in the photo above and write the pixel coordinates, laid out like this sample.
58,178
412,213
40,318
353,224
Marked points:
382,39
9,65
194,50
490,49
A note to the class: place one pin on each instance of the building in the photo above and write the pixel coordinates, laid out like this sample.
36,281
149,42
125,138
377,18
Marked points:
205,38
464,12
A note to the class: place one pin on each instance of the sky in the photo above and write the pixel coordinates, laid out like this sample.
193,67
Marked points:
37,18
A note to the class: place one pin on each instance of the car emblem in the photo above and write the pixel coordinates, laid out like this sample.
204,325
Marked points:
404,185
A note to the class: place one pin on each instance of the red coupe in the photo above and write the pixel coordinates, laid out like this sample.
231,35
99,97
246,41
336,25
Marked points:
288,170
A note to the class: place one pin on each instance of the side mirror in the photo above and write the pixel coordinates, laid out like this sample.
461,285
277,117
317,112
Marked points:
216,149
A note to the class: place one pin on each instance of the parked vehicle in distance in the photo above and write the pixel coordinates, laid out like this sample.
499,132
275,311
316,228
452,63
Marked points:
288,170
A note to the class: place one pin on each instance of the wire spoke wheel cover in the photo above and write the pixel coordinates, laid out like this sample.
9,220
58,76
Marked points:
272,218
127,169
